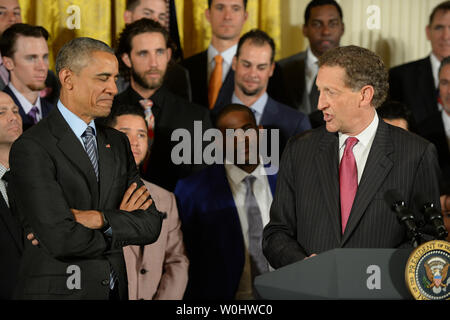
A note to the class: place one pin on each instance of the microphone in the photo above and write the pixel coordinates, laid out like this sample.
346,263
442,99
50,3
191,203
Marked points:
432,215
404,215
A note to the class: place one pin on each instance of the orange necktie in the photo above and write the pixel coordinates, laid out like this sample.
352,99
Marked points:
215,82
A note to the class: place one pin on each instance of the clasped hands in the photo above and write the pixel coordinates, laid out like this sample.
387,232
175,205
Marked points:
132,200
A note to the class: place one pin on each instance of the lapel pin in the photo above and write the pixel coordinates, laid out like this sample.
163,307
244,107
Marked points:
108,145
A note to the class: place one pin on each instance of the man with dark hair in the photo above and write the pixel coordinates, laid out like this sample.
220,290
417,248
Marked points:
396,113
76,188
333,179
324,27
436,128
25,54
223,210
416,83
144,53
210,70
11,238
176,78
253,66
158,271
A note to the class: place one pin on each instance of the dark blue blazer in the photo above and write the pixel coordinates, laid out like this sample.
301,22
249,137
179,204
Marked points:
212,234
275,116
27,121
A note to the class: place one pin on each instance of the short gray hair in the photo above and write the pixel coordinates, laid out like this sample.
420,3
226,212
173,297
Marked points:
75,53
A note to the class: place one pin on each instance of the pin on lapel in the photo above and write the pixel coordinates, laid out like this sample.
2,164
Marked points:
108,145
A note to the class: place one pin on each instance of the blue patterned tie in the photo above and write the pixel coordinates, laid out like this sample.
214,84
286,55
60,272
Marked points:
90,145
255,229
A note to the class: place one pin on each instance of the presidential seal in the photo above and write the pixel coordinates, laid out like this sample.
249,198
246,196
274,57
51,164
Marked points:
427,276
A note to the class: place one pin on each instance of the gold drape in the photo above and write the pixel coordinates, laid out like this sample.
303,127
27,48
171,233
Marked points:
103,20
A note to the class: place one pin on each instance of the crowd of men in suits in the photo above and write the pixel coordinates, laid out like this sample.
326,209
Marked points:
139,225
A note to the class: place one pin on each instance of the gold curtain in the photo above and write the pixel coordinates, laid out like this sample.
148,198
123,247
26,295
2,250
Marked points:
103,20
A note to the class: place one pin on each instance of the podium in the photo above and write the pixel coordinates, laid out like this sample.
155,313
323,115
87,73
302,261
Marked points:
340,274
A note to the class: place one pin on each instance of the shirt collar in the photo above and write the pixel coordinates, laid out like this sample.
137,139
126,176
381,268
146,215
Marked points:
365,137
236,175
446,121
435,64
3,170
77,125
227,55
26,105
312,62
258,106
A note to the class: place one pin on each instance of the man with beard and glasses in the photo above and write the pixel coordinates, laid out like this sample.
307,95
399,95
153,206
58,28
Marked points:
324,28
253,66
25,54
144,54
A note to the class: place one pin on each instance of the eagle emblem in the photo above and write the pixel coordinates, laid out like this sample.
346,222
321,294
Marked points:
437,270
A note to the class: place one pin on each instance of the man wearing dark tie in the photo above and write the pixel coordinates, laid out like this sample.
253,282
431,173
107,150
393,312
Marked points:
332,180
11,243
25,54
75,186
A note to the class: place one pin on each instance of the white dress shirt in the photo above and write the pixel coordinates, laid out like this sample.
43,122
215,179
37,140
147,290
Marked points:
3,185
227,56
27,105
446,122
362,148
261,190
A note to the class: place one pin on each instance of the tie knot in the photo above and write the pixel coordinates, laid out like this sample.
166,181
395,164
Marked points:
249,180
6,176
218,59
88,133
146,103
350,143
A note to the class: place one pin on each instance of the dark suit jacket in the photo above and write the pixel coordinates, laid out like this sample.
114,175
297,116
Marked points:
11,247
305,213
27,121
413,84
197,66
275,116
50,174
212,234
171,112
433,130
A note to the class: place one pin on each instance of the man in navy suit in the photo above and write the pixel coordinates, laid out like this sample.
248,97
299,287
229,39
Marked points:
25,54
253,66
218,230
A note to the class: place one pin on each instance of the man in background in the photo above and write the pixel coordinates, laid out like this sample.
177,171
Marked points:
25,54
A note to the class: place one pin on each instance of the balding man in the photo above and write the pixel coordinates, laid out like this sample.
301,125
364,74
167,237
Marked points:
76,187
10,233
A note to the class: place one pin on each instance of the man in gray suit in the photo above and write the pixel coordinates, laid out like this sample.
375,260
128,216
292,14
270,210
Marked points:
324,28
333,179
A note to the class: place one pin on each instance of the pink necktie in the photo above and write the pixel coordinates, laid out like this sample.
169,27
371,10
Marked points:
348,180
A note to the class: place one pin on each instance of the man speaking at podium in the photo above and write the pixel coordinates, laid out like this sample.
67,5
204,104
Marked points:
332,180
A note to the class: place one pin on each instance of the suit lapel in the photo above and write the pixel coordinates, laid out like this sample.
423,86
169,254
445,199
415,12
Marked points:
71,147
26,120
327,163
11,225
106,165
377,167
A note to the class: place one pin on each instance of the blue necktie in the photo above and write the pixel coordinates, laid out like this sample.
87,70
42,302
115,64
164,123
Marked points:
90,145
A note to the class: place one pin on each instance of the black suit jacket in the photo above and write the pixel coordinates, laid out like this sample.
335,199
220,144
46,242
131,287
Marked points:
27,121
171,112
11,247
305,213
433,130
413,84
50,174
197,66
